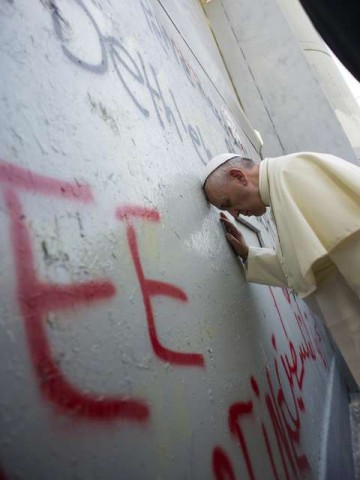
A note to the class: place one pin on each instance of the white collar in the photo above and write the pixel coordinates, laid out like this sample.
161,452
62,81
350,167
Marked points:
264,182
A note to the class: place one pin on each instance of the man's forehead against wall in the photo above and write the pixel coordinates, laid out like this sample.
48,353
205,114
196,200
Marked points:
231,183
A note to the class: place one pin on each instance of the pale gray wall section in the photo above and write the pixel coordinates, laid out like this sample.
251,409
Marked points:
335,88
92,93
276,84
337,459
201,43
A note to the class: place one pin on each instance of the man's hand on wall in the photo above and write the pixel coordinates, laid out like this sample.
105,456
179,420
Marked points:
234,237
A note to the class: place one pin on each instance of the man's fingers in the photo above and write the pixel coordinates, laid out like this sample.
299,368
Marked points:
238,247
234,235
226,221
232,239
229,226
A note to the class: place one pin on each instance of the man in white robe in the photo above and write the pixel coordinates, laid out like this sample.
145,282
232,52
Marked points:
315,202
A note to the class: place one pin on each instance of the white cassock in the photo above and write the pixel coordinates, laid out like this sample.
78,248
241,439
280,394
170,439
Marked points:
315,201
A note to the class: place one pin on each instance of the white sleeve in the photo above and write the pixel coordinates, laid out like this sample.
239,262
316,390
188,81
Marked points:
263,266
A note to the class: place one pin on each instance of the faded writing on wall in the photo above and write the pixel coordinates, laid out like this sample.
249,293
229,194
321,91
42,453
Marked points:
132,69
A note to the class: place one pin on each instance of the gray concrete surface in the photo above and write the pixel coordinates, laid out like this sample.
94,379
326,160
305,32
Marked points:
131,346
277,85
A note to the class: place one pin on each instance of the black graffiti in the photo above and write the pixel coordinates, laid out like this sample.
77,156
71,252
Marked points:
119,54
167,43
60,26
130,68
170,48
178,111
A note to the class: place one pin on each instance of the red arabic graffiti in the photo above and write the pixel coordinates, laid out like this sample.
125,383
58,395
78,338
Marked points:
283,412
221,465
236,411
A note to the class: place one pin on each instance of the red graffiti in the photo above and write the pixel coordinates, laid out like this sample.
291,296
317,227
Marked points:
286,439
287,294
278,427
278,312
236,412
151,288
283,412
269,451
290,415
221,464
21,178
129,211
37,299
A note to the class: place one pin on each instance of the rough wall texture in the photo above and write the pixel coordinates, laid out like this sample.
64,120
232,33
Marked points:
131,346
336,90
277,85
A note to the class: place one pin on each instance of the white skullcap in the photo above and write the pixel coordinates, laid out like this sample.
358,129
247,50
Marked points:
215,163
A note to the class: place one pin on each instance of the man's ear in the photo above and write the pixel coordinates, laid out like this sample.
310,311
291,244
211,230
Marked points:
239,175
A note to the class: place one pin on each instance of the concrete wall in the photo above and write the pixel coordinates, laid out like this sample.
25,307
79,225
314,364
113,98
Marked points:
277,85
338,93
131,346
